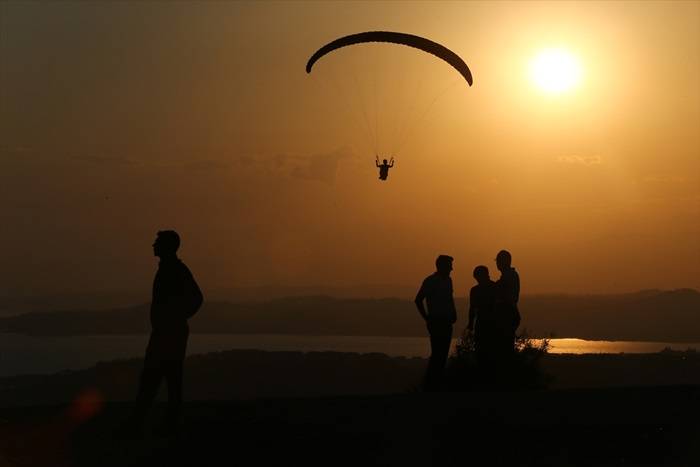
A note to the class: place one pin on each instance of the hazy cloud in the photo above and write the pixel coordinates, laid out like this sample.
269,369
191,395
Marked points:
580,160
206,165
664,179
245,160
321,167
111,161
188,164
15,149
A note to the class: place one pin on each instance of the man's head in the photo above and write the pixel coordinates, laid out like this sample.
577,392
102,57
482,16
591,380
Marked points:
166,244
384,161
503,260
443,263
481,274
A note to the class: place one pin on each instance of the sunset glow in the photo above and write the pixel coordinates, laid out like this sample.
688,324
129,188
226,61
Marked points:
578,133
555,71
407,232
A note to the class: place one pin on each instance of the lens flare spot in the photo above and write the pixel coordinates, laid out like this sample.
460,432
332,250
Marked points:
87,404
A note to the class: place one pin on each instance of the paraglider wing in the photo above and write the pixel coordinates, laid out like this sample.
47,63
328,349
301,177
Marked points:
410,40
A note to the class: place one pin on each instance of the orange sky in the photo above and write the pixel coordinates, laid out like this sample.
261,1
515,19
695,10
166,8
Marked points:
119,119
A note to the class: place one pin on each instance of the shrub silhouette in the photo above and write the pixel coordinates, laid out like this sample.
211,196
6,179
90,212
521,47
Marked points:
520,372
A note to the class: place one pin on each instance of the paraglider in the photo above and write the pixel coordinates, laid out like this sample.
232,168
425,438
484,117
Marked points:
400,38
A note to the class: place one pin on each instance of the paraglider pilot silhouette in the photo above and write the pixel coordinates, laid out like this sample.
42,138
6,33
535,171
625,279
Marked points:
176,298
384,168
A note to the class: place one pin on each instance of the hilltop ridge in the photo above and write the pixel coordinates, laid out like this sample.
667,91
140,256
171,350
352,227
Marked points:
670,316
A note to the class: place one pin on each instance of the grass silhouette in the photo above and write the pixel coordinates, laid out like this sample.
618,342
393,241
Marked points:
522,371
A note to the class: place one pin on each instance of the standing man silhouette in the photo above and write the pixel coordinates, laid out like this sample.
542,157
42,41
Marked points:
507,297
483,322
176,298
440,316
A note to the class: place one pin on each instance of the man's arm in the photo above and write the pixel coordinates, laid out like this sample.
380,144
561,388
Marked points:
472,311
196,297
452,303
191,295
420,296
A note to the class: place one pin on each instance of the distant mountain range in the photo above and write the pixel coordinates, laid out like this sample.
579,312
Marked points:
13,304
651,315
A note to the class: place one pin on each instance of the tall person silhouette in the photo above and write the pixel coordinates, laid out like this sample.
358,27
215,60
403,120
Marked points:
176,298
440,317
507,297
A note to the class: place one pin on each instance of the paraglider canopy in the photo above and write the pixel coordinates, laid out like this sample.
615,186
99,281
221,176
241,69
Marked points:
410,40
402,122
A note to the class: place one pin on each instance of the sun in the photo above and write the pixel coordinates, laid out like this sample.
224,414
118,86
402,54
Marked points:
555,71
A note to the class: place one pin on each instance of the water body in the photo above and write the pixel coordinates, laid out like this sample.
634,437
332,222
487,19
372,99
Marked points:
20,354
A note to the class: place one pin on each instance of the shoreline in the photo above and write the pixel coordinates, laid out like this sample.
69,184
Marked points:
20,354
377,336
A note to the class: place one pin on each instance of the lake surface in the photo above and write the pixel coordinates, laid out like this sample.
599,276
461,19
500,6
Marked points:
21,354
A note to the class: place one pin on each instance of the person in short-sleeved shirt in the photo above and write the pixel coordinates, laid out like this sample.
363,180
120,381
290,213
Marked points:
437,292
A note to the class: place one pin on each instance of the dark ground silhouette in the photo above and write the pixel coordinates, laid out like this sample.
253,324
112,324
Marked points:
603,427
608,423
246,374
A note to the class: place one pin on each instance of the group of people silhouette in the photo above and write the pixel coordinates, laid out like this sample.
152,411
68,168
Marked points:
176,297
493,315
